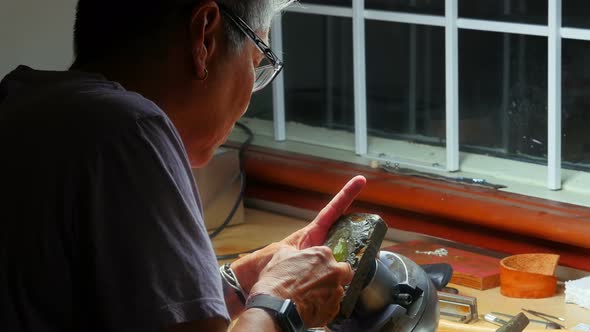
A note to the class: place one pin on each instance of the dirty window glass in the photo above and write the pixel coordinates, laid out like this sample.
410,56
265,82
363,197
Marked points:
318,70
502,82
405,81
576,13
518,11
431,7
341,3
576,104
261,106
503,95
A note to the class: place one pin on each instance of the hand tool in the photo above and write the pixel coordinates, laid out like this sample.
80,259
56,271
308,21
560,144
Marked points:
542,314
548,324
491,318
495,313
545,317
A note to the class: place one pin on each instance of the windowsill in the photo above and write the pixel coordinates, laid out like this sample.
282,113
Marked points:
518,177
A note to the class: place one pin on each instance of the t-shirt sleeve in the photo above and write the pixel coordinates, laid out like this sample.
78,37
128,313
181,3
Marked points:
147,261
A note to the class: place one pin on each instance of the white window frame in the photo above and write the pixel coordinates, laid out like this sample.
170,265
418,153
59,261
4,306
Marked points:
453,160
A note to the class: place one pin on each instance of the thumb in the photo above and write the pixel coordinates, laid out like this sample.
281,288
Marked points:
346,273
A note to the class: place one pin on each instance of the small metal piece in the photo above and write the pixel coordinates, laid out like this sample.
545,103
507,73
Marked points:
494,320
440,252
395,168
458,305
403,299
495,313
404,295
459,318
542,314
552,326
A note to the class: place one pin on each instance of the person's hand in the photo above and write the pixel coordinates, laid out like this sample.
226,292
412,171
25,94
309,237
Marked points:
248,267
315,233
310,277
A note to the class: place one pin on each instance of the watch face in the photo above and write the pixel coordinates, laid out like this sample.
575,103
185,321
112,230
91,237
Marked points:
290,317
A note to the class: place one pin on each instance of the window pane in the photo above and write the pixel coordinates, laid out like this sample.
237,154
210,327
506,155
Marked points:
503,94
576,104
341,3
521,11
432,7
261,105
405,81
576,13
318,70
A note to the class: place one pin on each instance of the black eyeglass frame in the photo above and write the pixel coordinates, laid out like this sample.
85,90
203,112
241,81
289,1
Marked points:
260,44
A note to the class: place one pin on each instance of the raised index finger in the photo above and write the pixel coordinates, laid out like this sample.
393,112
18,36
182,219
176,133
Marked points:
340,202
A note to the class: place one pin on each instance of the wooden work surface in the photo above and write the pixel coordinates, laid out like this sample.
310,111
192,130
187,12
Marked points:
262,228
491,300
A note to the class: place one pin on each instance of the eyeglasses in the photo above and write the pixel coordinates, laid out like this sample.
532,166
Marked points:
270,66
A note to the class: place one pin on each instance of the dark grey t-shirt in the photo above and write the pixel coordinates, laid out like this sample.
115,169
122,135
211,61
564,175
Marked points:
101,224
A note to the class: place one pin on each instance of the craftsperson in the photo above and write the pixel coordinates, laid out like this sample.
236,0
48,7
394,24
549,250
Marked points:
102,227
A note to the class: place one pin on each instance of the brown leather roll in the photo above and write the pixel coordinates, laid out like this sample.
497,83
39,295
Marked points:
528,275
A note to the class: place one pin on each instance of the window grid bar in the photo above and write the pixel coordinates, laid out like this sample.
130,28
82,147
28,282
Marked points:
278,87
452,84
321,10
506,71
399,17
438,21
452,23
575,33
504,27
360,88
554,96
433,20
413,80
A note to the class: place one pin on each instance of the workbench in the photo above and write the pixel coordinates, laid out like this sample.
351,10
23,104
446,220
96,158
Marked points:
261,228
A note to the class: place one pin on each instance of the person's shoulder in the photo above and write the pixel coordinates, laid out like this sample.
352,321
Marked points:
116,105
64,95
76,109
99,111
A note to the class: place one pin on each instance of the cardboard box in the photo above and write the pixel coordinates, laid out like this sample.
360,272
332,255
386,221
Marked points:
219,187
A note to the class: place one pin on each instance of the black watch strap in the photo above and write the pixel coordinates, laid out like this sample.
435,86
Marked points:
265,302
284,311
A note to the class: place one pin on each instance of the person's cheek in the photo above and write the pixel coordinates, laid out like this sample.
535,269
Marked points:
245,109
247,91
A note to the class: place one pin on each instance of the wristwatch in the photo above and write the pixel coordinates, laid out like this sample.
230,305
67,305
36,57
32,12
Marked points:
284,311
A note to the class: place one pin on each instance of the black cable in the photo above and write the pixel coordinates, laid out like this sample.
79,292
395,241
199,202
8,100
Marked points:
240,198
234,208
246,143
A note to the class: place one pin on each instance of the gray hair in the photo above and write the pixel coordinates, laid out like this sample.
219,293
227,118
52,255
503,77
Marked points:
257,13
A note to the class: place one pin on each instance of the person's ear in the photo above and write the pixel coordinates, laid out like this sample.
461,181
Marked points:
205,29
